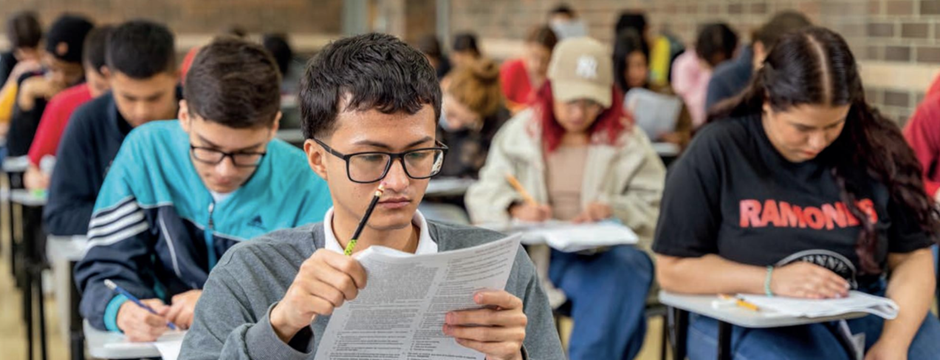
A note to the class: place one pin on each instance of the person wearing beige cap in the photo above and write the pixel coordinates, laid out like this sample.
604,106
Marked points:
577,154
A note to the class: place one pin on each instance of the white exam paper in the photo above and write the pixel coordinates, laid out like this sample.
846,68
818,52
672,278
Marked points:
400,313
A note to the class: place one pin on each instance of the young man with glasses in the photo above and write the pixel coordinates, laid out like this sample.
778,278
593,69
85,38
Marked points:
181,193
370,106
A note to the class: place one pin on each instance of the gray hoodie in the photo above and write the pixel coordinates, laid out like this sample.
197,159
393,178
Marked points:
231,318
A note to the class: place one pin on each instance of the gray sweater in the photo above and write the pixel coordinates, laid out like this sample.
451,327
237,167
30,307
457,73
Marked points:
231,318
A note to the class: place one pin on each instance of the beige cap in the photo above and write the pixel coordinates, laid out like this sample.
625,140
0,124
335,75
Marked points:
581,68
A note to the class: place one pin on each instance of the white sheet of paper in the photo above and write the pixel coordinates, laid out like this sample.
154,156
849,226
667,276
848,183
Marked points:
400,313
655,113
569,237
168,344
856,302
169,350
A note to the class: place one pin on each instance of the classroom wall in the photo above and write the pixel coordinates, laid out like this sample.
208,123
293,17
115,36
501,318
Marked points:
200,16
897,42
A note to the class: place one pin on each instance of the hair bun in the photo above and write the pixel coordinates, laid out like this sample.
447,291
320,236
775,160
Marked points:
485,70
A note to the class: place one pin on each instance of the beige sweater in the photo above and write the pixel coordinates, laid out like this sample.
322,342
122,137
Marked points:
629,176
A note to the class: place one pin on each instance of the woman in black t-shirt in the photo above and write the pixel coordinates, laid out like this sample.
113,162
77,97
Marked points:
802,190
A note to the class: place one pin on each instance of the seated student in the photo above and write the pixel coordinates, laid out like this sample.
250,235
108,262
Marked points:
472,112
279,47
62,62
179,194
61,107
565,22
582,162
663,49
295,278
465,51
141,68
730,78
431,48
521,77
801,189
693,69
631,70
24,34
922,132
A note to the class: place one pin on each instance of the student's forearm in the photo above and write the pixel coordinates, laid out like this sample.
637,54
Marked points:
911,286
709,274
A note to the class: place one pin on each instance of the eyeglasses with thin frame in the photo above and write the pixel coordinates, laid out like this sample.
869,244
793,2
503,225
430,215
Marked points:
214,157
372,166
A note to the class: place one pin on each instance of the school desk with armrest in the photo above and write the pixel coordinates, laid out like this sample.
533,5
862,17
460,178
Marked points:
64,252
111,345
13,170
681,305
31,252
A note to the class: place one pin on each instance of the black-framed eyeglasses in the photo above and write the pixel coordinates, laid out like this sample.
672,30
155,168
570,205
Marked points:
371,166
214,157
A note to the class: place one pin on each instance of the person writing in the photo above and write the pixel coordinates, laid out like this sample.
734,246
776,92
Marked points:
801,189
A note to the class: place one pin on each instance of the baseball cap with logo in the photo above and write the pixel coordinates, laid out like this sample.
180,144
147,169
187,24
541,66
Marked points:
67,36
581,68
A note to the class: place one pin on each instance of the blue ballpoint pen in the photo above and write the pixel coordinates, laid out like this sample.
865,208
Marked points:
111,285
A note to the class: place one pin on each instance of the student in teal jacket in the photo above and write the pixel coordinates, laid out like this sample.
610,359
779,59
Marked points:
180,193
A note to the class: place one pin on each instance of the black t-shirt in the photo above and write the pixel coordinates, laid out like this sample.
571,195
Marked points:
732,194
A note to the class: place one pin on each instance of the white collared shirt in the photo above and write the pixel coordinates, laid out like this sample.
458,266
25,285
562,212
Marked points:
425,244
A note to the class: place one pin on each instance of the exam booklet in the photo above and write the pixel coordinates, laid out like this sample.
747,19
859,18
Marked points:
400,313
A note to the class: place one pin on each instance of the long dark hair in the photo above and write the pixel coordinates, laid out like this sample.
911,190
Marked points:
814,66
628,41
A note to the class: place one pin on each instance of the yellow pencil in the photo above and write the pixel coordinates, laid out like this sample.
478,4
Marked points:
365,218
521,190
739,302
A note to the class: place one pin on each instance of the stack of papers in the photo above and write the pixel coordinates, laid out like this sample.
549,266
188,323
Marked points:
856,302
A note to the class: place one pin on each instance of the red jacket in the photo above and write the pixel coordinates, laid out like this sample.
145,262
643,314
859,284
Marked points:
54,119
923,134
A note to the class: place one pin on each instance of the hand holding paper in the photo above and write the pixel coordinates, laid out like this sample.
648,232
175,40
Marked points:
497,330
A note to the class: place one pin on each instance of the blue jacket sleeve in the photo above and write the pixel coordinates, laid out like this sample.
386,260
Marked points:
120,248
71,193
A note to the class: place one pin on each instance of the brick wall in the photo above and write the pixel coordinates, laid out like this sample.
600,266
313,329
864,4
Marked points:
200,16
897,42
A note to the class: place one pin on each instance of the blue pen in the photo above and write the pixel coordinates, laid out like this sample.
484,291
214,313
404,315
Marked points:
111,285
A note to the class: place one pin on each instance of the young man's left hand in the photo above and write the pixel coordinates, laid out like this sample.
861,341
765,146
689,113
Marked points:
181,310
497,330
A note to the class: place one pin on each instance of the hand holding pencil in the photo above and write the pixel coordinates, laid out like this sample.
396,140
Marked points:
530,210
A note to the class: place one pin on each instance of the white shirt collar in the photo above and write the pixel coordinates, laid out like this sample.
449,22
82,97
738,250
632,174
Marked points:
425,244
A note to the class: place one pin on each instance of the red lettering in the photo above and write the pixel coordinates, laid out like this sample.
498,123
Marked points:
852,220
750,212
771,215
868,208
814,217
835,215
789,215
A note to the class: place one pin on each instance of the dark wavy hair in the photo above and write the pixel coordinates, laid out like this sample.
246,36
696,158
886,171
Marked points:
814,66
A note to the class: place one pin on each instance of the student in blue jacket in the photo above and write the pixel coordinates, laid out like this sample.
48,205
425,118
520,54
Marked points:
180,193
